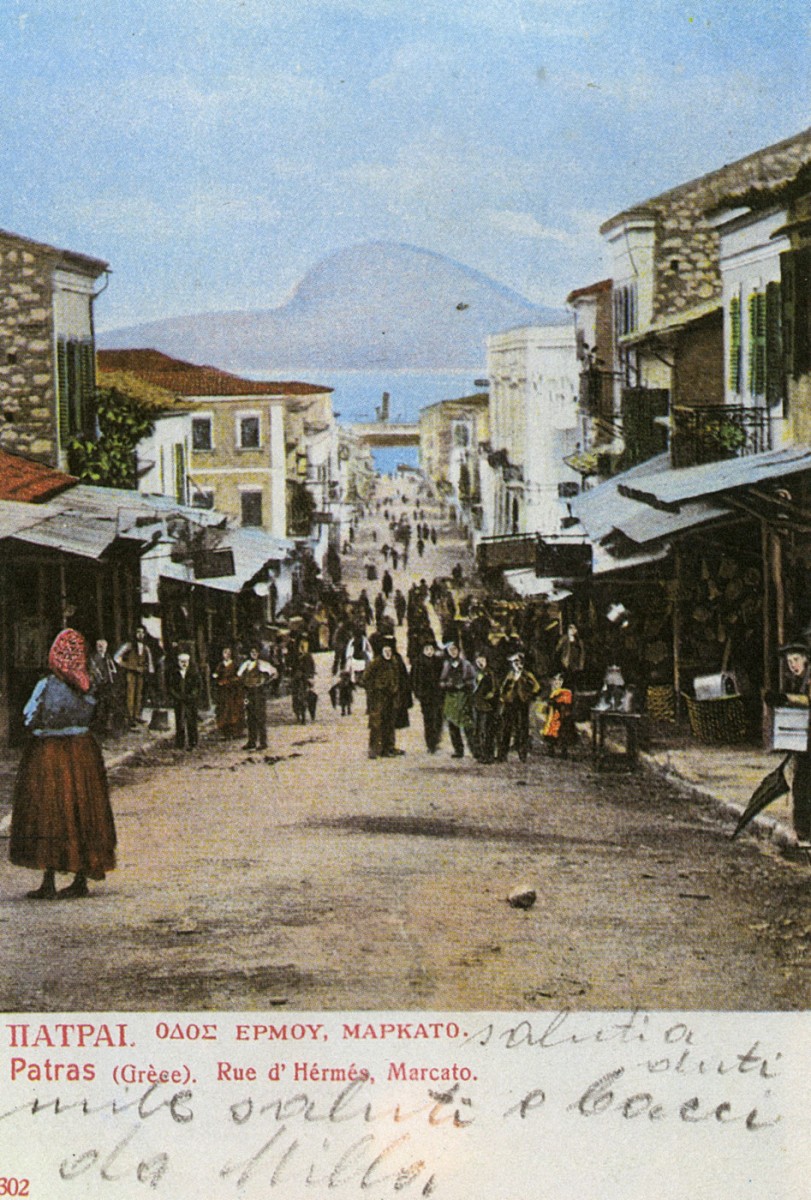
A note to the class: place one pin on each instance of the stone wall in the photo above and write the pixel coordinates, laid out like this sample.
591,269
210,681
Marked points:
27,386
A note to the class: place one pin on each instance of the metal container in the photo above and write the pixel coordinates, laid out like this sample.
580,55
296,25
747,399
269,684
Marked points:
713,687
790,728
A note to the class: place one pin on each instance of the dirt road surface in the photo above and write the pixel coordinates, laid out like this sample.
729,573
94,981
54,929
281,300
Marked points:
311,878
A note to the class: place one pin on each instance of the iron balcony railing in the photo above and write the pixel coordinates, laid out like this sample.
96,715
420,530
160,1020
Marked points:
711,433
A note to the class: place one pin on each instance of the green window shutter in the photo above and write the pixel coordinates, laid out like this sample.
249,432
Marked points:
735,344
87,389
757,343
775,386
787,292
180,473
62,392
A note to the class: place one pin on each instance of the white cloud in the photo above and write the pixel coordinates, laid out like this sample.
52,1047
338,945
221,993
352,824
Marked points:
183,216
525,225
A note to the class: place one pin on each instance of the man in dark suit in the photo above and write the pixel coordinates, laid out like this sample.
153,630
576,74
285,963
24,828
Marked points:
184,690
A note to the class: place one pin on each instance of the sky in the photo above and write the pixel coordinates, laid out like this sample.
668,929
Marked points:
213,151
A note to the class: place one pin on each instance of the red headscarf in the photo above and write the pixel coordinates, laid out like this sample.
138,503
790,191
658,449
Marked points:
68,659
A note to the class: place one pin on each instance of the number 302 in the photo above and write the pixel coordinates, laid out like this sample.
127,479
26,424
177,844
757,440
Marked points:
11,1186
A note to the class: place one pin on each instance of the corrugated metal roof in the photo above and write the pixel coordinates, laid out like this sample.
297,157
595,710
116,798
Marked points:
253,550
15,516
671,489
604,561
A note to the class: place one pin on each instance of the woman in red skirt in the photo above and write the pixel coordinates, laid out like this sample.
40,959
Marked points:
61,819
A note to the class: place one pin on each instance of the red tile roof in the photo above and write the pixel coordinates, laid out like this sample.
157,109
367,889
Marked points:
188,379
32,482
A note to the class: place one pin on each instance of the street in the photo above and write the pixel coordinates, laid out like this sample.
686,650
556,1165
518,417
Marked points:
308,877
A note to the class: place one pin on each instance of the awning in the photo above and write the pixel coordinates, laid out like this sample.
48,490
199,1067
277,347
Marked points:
604,561
671,489
526,583
617,505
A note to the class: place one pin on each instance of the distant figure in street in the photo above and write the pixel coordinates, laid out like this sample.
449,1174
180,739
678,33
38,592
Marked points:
426,670
485,706
433,536
570,654
380,608
229,700
395,557
104,674
382,683
135,659
184,686
559,730
357,655
518,689
387,584
341,693
255,675
399,606
302,675
61,817
365,606
457,682
420,546
385,550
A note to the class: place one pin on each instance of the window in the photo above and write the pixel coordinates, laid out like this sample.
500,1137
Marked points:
202,498
248,438
201,433
625,309
76,388
251,506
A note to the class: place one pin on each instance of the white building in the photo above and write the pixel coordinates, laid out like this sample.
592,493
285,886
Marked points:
534,383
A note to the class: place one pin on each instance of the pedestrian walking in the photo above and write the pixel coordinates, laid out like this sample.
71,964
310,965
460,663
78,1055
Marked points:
420,546
385,550
357,655
387,584
184,686
382,683
457,681
302,674
426,670
433,536
104,674
395,557
61,816
485,709
342,692
135,659
400,606
518,690
229,701
255,675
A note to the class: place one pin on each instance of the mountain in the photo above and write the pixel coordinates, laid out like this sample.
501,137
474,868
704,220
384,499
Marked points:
378,305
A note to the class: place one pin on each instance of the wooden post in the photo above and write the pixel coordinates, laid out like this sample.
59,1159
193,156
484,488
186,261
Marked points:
677,625
768,644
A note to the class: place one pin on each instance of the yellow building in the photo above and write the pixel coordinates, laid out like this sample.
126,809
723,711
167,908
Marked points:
451,432
243,440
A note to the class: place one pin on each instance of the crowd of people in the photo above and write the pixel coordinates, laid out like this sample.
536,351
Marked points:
471,663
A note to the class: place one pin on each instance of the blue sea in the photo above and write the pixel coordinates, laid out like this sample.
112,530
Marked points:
357,394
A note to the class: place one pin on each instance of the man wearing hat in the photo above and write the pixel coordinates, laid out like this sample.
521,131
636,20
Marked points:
255,675
518,690
796,682
457,681
185,686
381,679
426,670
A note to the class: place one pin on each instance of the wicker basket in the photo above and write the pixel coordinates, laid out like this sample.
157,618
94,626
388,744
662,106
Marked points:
661,702
721,719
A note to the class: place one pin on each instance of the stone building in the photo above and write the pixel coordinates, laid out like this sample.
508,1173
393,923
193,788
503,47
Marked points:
669,364
47,350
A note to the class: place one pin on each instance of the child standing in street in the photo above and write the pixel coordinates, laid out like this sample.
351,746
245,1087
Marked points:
559,728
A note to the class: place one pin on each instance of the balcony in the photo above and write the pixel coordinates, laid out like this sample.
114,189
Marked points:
713,433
